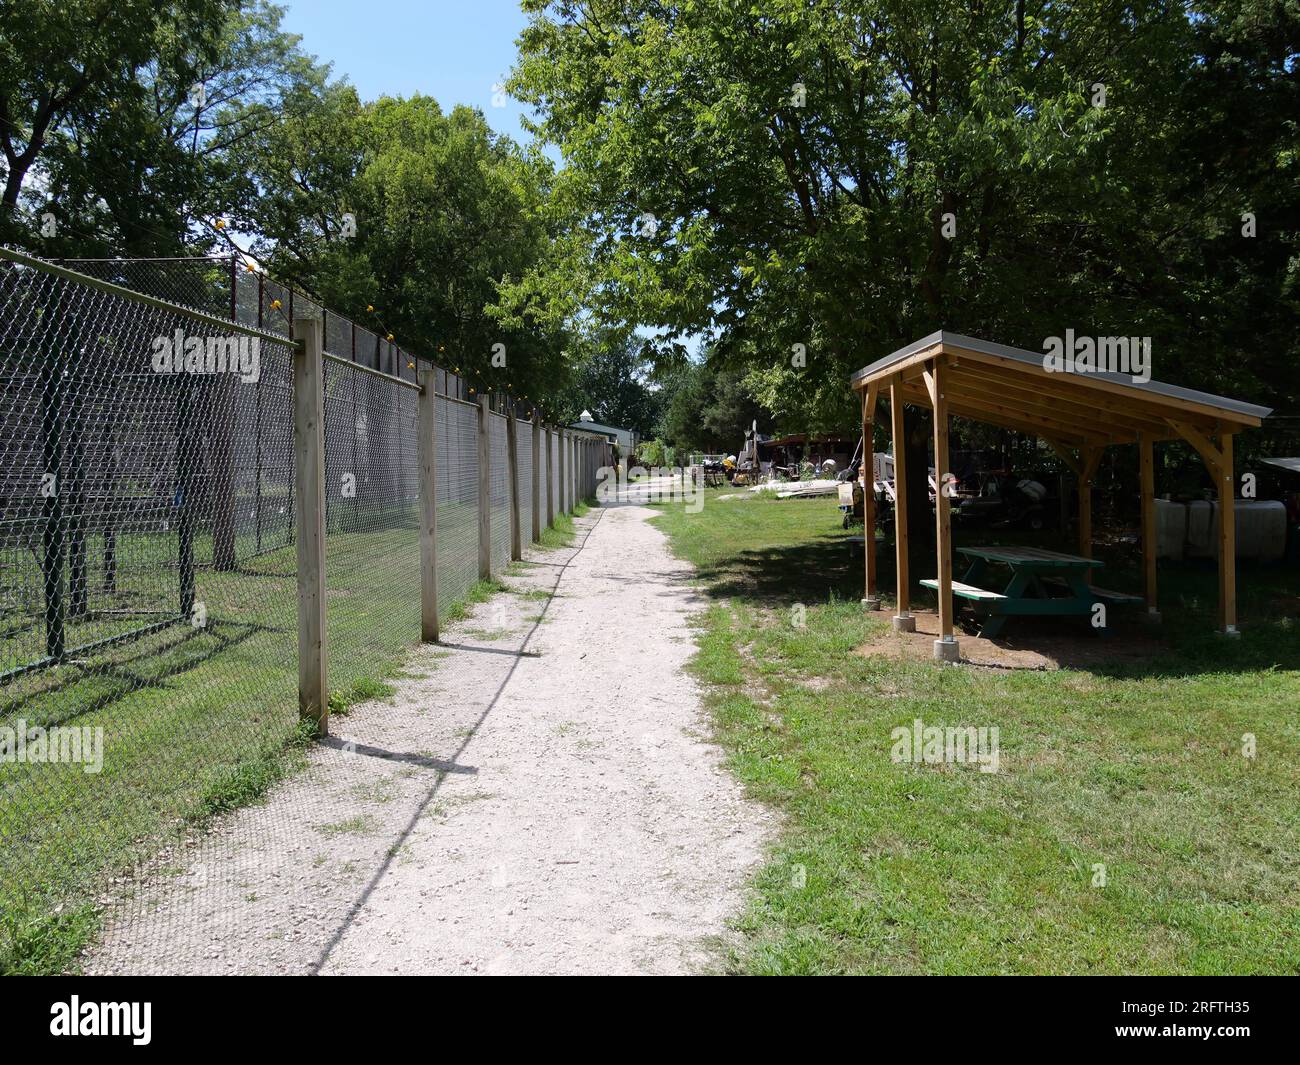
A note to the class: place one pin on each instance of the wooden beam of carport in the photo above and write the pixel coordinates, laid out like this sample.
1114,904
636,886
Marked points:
936,384
1089,460
992,385
997,414
1120,394
1147,472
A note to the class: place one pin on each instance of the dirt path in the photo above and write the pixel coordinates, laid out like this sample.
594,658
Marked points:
539,800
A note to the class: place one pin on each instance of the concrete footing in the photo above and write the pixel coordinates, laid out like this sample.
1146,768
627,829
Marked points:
1152,617
1231,631
904,623
871,603
947,650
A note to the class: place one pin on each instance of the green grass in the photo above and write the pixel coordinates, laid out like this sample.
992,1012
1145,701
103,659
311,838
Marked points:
1134,764
479,592
561,534
363,689
248,780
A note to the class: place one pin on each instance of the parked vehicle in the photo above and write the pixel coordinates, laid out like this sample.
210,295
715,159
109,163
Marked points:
1007,500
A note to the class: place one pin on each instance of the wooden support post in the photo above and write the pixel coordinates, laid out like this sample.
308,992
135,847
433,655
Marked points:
1218,461
1227,539
945,647
309,500
512,453
1147,468
870,597
903,620
538,455
427,453
484,492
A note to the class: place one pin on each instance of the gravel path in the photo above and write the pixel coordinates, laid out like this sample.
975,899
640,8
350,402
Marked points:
539,799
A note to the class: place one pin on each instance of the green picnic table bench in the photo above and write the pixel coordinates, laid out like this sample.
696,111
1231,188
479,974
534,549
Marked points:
1043,583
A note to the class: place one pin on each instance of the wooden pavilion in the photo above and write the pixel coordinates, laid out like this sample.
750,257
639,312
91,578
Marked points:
1078,413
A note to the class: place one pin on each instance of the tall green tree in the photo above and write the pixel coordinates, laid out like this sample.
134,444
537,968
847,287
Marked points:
612,382
410,219
848,175
709,409
95,109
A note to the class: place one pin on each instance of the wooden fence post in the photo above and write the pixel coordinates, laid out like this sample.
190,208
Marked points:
512,460
427,451
484,492
537,483
309,500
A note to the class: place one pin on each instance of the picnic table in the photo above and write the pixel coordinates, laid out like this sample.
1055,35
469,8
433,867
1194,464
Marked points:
1043,583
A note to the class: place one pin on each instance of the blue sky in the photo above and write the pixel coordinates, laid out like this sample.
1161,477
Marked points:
452,50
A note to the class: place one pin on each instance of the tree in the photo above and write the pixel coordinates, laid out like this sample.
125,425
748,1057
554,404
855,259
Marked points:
409,219
612,384
709,409
817,182
73,89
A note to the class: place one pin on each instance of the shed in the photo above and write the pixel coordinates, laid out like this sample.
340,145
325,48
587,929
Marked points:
1078,412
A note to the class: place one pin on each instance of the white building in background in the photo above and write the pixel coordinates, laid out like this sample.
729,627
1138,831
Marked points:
626,439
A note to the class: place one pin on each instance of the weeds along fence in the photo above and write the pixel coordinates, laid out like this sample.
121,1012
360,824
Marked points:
210,526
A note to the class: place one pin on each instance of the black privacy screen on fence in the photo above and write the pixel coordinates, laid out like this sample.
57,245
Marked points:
149,591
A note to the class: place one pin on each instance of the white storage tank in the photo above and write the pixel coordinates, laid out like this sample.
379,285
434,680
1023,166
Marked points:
1261,529
1171,529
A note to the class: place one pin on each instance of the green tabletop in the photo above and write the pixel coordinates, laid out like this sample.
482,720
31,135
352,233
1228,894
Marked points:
1029,557
1042,583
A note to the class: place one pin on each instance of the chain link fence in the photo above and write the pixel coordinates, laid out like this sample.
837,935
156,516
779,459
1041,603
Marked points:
149,574
499,482
456,484
145,670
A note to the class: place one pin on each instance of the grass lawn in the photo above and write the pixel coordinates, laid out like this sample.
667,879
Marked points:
1136,766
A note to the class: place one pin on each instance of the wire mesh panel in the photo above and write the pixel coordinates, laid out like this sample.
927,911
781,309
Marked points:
524,453
457,499
145,660
199,281
372,538
557,500
498,450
